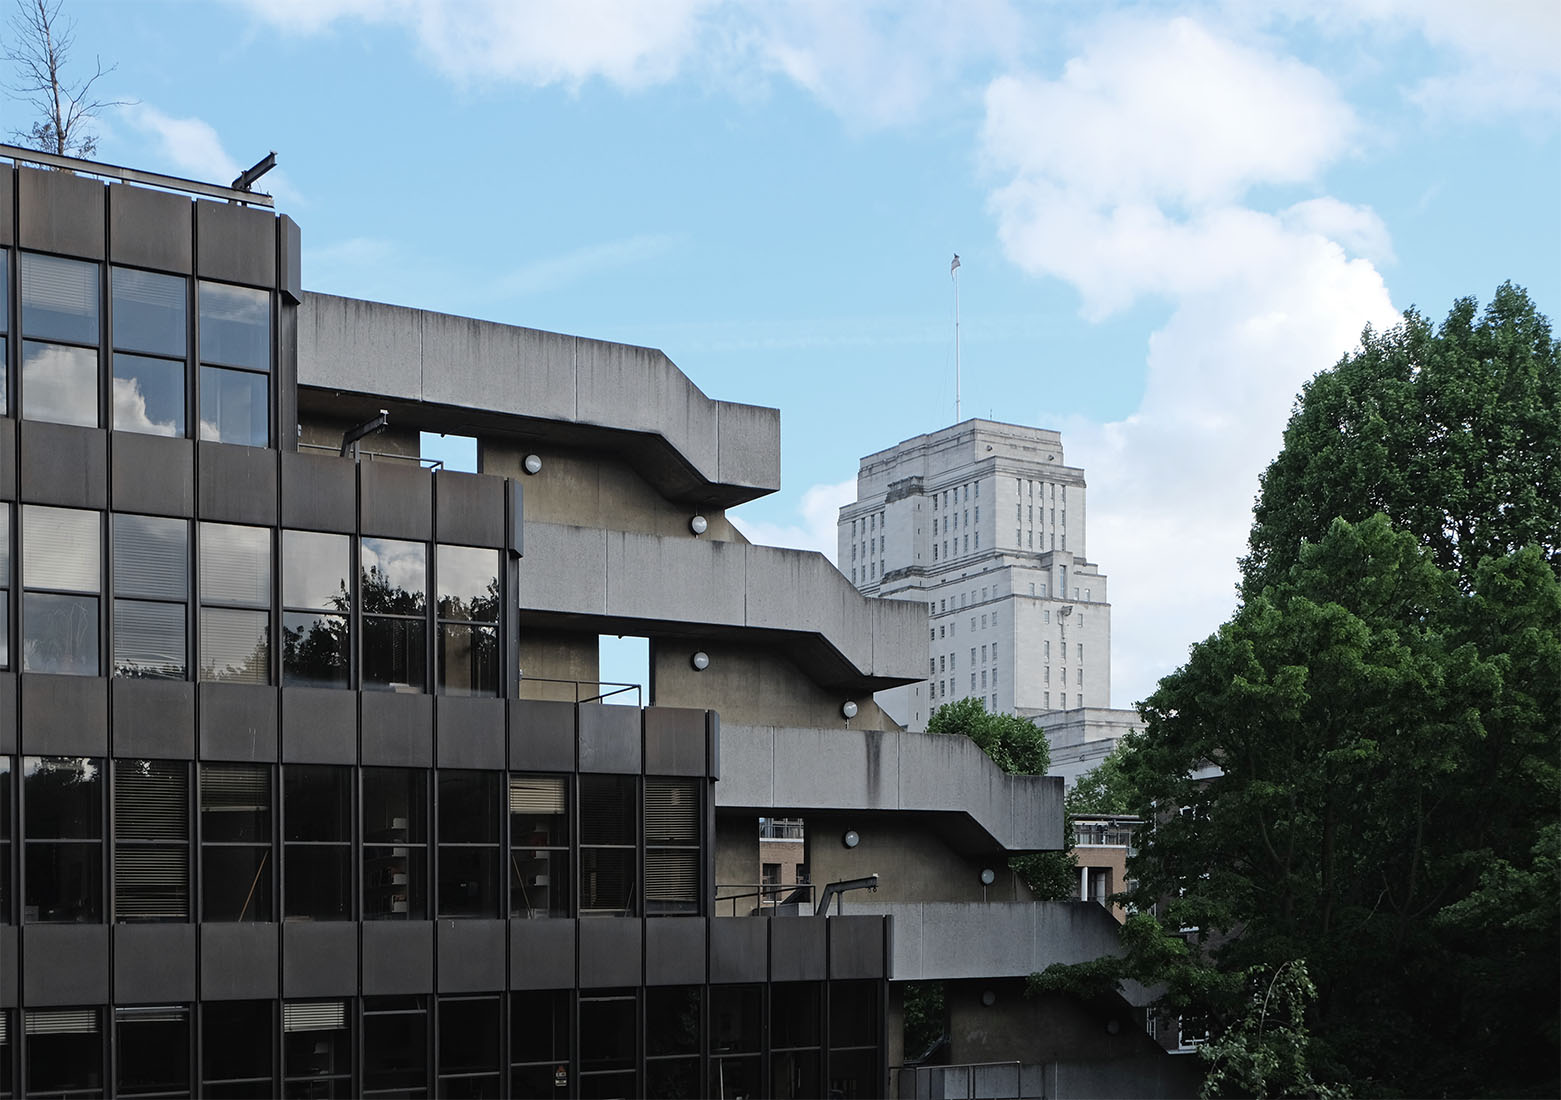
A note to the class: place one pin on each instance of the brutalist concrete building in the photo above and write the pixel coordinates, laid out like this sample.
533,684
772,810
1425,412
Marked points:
307,783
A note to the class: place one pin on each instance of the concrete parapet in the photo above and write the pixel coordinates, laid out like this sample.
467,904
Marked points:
630,582
943,941
692,447
774,769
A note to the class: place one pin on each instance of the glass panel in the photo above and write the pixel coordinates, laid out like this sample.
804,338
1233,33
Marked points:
318,882
64,798
794,1014
794,1074
5,629
315,571
606,882
314,649
235,565
469,1036
149,311
148,395
672,1077
59,298
149,640
235,326
235,407
468,584
60,384
151,829
64,881
317,802
853,1014
60,634
395,823
317,1061
64,1052
394,576
539,1026
672,1020
5,376
468,659
539,883
395,653
5,318
153,1050
61,548
608,1029
235,646
607,809
468,807
235,883
236,803
395,1045
151,557
736,1018
469,882
236,1041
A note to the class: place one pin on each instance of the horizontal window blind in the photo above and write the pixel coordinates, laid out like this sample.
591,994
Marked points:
151,800
151,883
314,1016
538,794
62,1021
671,875
60,548
151,557
152,1014
671,811
235,786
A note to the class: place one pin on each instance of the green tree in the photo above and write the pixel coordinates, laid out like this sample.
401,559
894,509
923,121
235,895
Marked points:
1362,768
1019,747
1106,788
1451,431
1265,1052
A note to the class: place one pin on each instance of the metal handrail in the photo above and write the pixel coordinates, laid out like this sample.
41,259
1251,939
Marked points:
617,689
770,894
135,175
425,463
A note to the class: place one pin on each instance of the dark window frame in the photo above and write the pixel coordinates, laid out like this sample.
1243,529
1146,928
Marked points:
125,844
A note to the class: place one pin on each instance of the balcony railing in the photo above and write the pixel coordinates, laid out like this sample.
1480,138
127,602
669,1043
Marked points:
781,828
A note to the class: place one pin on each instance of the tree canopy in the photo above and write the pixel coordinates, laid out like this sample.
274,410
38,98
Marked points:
1361,770
1019,747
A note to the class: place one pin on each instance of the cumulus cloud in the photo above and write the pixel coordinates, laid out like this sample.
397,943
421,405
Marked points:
1127,175
816,529
191,147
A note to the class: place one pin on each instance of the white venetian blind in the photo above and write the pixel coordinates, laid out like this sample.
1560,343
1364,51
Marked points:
314,1016
537,794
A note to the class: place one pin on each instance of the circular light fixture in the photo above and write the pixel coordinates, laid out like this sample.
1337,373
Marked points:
851,839
849,709
533,464
988,876
699,525
988,998
1113,1026
700,661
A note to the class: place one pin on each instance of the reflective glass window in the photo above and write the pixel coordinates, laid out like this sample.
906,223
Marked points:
539,845
393,582
395,843
471,1038
468,835
235,407
150,312
63,831
61,567
316,1049
317,819
237,1045
540,1025
148,395
672,818
5,584
236,864
64,1052
317,604
235,326
395,1046
59,299
151,586
235,592
608,830
60,383
151,840
468,607
7,800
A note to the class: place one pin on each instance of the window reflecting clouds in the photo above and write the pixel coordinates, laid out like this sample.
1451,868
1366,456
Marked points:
60,384
148,395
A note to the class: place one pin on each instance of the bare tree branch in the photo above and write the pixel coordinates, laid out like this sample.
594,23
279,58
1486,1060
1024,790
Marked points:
37,55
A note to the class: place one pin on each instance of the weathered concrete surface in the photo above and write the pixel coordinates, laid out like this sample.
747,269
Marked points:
619,396
633,583
938,941
785,769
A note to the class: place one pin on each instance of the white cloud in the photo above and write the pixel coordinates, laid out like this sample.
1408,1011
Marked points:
191,147
1125,177
819,511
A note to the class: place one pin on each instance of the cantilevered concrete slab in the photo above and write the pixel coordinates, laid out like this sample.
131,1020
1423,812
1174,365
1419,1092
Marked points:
783,771
945,941
587,578
473,376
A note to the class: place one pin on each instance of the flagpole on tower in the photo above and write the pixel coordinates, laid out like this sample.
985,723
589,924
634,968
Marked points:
954,274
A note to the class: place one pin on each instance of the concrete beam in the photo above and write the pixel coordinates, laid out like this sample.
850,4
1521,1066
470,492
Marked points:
458,374
783,770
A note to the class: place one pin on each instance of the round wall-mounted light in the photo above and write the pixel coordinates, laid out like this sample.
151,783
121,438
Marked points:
988,876
851,839
533,464
849,708
699,525
700,661
988,997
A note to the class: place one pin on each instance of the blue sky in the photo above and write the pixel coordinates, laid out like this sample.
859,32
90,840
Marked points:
1169,215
